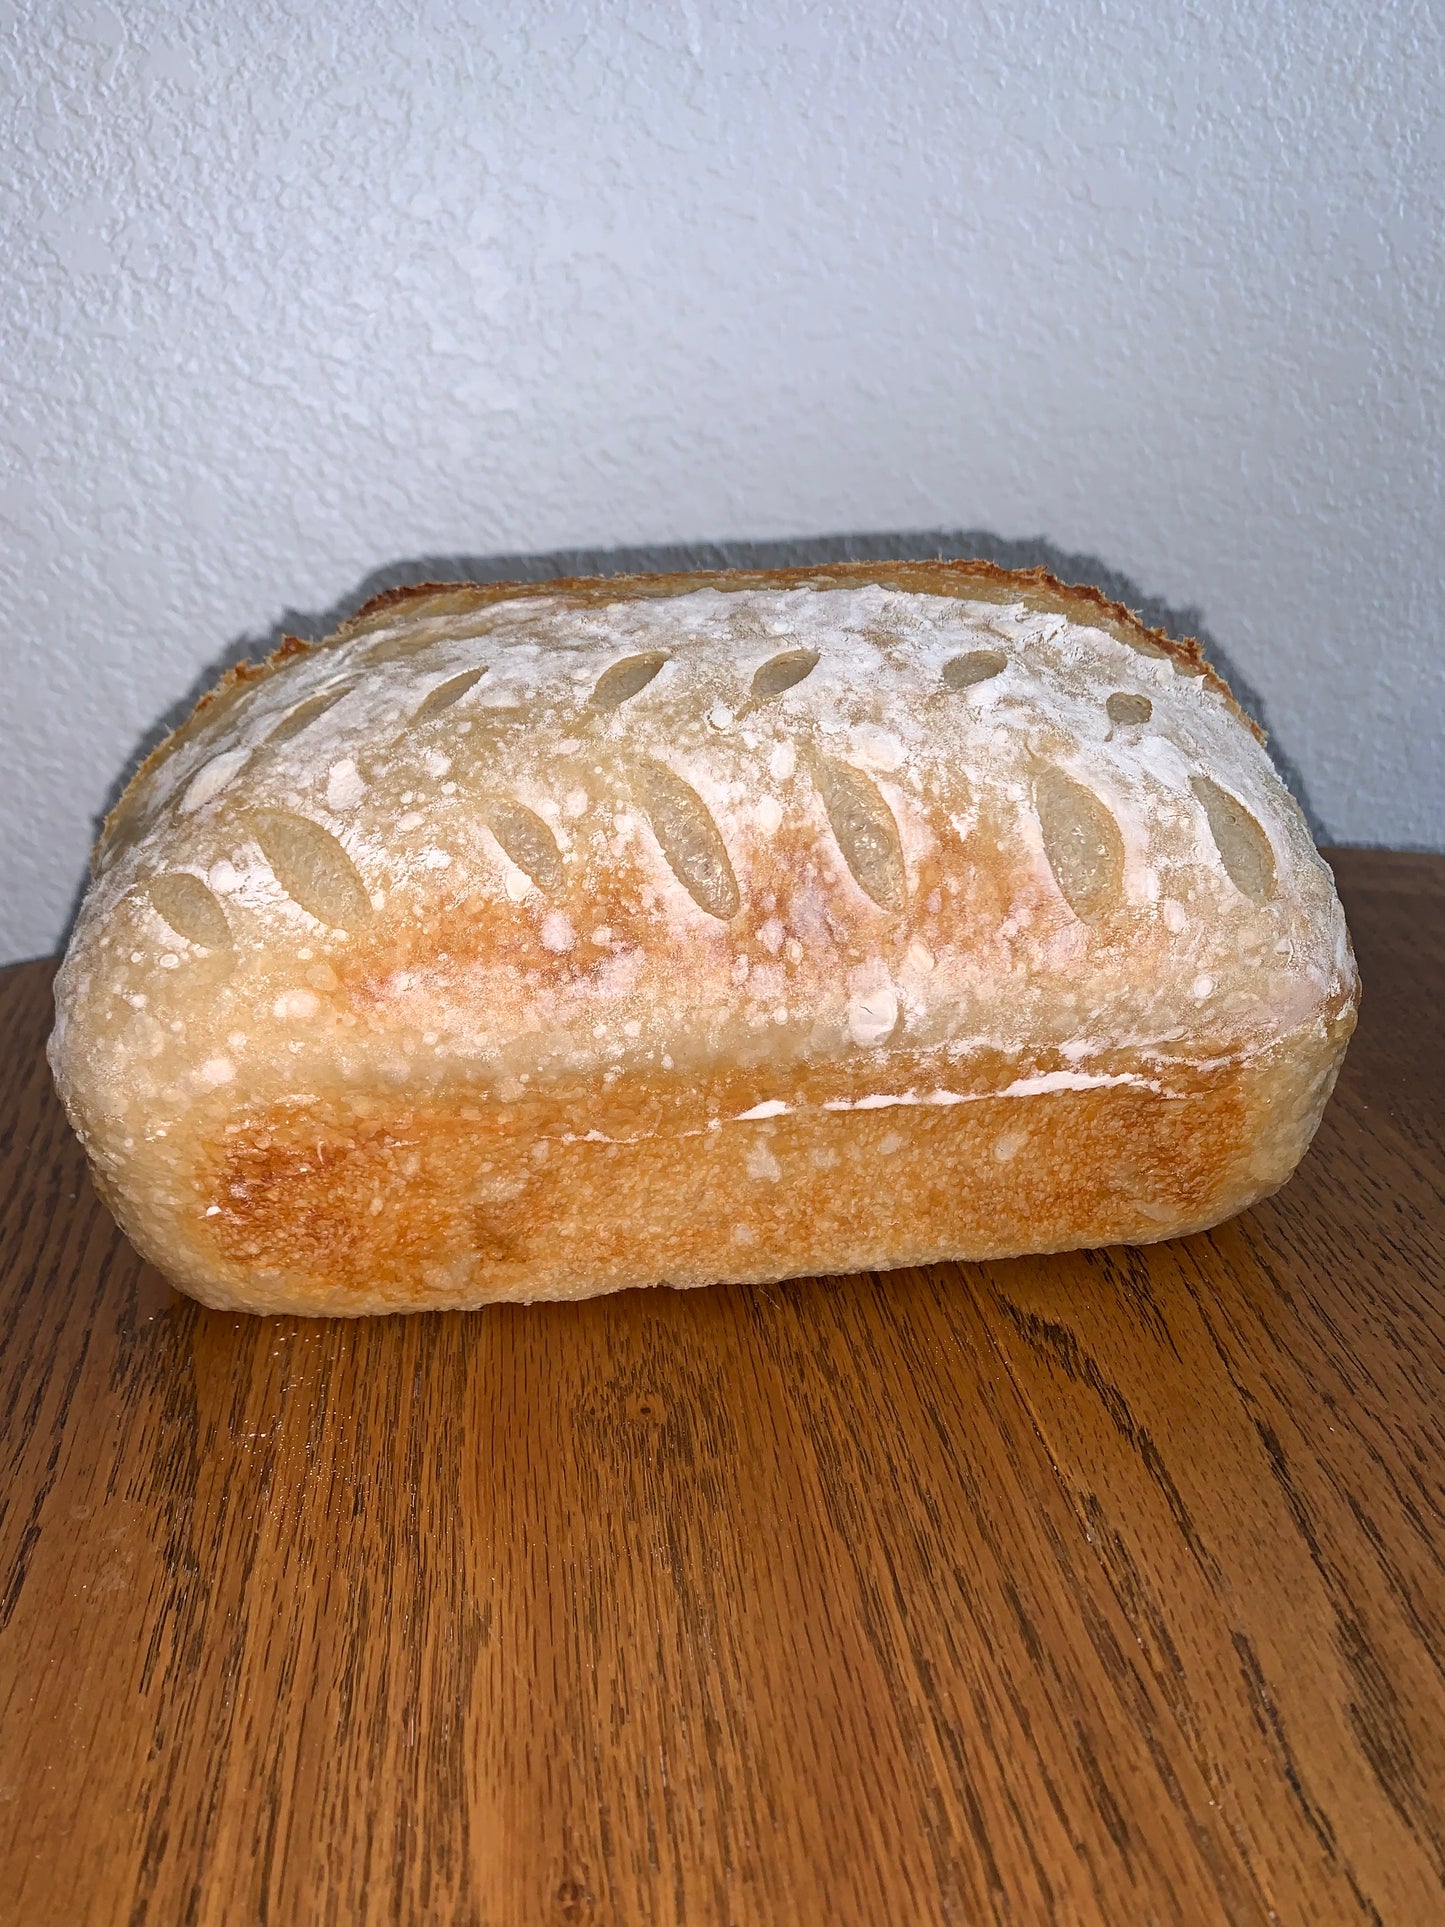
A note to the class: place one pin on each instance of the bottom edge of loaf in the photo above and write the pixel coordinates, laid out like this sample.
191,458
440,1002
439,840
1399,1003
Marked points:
348,1302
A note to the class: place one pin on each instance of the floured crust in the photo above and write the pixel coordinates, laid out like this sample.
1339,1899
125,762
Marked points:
533,940
426,600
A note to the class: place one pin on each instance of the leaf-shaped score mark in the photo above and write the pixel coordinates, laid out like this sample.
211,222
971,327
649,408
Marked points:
978,665
1242,845
1082,843
445,694
311,867
191,909
690,840
528,842
865,832
622,680
304,714
782,672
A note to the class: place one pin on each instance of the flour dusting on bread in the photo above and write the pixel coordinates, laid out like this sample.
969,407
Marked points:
489,847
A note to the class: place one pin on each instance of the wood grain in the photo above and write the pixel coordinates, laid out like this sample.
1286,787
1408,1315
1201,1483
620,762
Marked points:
1098,1589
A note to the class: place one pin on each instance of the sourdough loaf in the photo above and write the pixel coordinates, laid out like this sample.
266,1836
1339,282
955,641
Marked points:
534,941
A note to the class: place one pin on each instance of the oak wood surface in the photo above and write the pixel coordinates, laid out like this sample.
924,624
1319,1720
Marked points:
1103,1588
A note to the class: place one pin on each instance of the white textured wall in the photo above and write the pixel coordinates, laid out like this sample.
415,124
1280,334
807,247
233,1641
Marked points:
296,288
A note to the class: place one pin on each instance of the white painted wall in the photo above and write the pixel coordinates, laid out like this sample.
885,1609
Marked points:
296,289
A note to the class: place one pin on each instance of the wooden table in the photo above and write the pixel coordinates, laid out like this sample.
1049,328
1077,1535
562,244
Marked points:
1107,1588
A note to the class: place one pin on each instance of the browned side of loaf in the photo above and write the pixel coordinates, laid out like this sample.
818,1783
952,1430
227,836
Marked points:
330,1208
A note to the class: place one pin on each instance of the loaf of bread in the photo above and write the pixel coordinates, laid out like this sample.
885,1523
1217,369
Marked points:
534,941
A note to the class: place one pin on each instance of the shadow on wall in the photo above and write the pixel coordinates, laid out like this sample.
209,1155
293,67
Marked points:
907,545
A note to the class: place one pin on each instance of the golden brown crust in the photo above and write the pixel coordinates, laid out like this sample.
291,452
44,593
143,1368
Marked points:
663,928
558,1198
